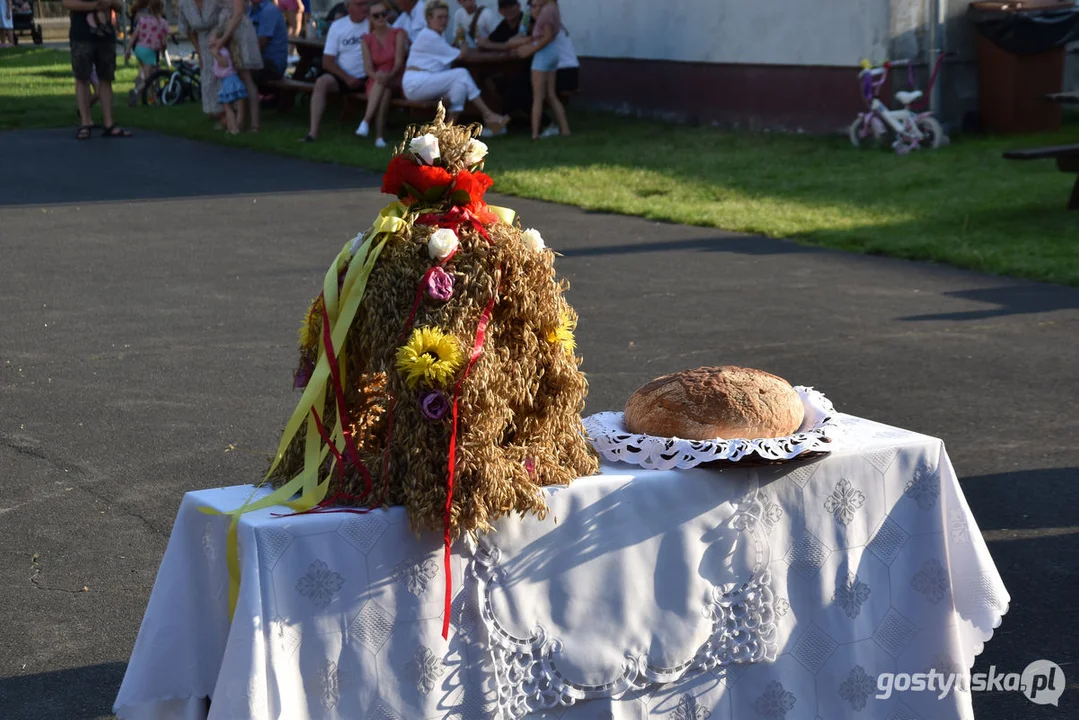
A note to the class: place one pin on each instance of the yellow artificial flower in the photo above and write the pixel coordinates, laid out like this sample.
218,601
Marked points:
311,330
430,356
563,334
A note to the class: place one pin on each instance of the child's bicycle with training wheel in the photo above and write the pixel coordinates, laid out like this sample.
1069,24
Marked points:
912,125
178,81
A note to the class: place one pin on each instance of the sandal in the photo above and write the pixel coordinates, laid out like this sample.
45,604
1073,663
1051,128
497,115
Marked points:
497,127
308,138
115,132
83,133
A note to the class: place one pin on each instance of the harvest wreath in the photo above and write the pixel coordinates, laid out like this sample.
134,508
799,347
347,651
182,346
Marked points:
437,364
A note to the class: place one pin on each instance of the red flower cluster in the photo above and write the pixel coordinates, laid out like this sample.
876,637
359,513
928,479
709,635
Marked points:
407,179
403,172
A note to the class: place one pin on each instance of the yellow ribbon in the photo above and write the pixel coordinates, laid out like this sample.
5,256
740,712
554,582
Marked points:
504,214
341,309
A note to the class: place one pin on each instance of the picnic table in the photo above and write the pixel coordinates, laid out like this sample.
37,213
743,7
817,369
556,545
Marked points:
1067,157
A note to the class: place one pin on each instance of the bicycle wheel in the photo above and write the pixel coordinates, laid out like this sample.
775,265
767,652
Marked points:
932,132
154,91
866,133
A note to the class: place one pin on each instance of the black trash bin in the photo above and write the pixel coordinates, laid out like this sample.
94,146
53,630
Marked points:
1020,61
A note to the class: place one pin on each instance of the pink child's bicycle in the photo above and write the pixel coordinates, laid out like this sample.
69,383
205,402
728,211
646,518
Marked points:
912,126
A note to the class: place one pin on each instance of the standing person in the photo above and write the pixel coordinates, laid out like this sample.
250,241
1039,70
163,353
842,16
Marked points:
149,38
197,20
342,62
89,52
293,10
7,33
232,92
544,52
236,25
384,51
272,35
413,18
473,22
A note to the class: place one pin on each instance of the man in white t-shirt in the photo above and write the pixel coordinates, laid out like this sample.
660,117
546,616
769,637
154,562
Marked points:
412,18
342,62
473,22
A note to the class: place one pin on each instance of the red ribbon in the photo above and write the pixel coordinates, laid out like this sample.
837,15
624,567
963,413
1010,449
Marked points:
351,451
453,218
477,350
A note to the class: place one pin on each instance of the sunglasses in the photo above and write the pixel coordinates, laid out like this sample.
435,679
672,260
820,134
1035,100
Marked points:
378,15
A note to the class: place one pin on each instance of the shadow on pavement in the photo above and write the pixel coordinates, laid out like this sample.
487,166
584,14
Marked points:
1008,300
733,243
55,168
84,693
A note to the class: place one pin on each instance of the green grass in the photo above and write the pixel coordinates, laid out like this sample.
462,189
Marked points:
963,205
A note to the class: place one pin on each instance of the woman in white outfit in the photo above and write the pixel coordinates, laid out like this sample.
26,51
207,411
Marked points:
428,75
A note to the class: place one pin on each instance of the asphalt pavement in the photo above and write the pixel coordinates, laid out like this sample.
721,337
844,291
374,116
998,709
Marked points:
150,291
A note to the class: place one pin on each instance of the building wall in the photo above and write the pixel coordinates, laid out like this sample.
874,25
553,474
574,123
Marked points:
763,63
753,32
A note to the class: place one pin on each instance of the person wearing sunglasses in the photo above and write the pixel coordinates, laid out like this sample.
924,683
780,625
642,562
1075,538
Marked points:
384,51
429,75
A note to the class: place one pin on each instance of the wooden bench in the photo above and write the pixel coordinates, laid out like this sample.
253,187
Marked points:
1067,157
288,89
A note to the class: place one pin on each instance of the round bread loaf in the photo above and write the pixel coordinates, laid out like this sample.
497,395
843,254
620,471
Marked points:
715,402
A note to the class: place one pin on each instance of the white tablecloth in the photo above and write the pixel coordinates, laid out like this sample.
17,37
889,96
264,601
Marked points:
776,592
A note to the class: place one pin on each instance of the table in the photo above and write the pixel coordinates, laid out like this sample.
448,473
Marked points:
309,50
775,591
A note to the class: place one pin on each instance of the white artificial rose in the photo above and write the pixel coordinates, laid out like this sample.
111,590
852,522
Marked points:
533,239
426,147
475,153
441,243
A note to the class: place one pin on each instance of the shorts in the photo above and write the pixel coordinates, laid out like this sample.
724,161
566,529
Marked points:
145,55
546,60
87,56
288,6
342,86
232,90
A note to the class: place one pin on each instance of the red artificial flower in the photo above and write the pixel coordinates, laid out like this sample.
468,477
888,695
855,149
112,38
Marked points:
474,184
402,176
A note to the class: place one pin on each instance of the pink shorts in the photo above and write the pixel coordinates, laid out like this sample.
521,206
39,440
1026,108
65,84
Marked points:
288,5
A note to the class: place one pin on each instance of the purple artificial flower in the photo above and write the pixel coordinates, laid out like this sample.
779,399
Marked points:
434,405
439,284
303,373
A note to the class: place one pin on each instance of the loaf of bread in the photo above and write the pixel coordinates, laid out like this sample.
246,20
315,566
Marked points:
715,402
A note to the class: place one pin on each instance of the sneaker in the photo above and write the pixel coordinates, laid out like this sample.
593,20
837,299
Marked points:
364,129
551,131
486,133
380,143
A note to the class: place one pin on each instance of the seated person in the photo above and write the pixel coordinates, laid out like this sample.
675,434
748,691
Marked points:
21,7
411,18
384,52
273,40
428,75
473,22
342,62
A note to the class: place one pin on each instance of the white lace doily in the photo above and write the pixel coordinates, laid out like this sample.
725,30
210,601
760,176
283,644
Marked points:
608,435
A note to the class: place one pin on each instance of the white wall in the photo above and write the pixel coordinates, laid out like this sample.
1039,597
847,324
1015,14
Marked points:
780,32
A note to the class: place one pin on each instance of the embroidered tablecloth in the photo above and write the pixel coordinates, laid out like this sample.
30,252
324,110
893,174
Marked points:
777,592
